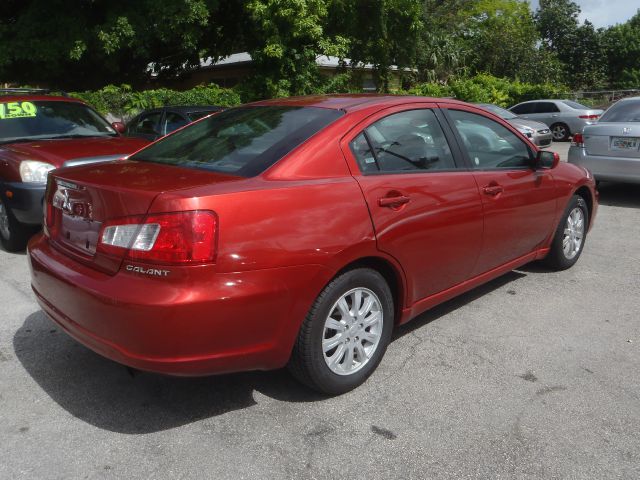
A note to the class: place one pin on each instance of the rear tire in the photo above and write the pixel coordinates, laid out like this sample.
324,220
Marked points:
13,235
560,132
570,235
345,334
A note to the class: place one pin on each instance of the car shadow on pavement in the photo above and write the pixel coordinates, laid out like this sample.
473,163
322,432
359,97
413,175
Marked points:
115,398
112,397
619,194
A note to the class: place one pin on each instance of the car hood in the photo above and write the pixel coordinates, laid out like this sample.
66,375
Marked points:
523,122
73,151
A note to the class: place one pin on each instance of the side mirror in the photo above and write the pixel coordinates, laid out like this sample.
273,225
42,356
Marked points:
119,127
546,159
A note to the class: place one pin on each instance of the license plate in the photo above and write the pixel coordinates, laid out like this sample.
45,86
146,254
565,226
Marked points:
625,143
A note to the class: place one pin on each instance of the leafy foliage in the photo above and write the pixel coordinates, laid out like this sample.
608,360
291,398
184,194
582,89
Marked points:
122,101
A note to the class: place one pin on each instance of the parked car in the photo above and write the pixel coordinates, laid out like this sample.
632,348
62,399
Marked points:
564,117
156,123
610,149
40,132
299,232
537,132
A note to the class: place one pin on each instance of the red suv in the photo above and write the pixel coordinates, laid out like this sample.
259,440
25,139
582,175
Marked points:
299,232
38,133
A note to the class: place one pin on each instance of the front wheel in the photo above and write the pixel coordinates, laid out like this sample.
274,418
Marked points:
13,235
345,334
569,238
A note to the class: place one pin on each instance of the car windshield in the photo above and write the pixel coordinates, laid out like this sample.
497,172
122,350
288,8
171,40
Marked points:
40,120
501,112
576,105
193,116
242,141
624,111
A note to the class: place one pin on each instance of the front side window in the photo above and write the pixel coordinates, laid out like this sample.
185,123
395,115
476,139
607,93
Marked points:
403,142
40,120
173,121
489,144
147,124
242,141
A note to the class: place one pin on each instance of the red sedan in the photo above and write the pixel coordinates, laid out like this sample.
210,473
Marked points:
299,232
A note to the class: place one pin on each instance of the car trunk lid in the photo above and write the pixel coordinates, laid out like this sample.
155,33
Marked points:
80,200
612,139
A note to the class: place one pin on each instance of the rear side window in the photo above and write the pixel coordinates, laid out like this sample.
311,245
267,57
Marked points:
405,141
489,144
523,108
242,141
546,107
625,111
147,124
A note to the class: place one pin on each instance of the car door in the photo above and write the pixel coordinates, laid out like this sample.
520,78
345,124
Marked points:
519,202
426,209
545,112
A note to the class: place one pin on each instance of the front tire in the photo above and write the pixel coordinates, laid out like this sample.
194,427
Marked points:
570,235
345,334
13,235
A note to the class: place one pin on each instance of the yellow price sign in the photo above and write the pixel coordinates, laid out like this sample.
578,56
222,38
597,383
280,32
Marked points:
17,110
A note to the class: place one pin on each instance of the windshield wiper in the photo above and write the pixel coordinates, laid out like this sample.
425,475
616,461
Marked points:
76,136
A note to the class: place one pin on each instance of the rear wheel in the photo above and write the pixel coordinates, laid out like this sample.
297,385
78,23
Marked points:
561,132
569,238
345,334
13,235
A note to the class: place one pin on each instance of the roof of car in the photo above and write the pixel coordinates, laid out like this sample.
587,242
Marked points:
186,108
350,101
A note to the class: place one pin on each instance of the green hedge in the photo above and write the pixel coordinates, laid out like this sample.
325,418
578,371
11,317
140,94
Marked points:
484,88
123,101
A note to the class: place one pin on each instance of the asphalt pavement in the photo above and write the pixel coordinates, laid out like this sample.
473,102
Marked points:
534,375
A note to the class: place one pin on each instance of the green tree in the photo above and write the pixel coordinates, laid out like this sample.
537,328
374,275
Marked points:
621,44
88,43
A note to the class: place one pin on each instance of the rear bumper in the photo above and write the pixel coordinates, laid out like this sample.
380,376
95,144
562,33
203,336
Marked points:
542,140
197,323
614,169
24,200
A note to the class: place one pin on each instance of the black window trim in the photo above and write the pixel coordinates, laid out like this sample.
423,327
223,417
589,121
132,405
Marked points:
458,159
465,153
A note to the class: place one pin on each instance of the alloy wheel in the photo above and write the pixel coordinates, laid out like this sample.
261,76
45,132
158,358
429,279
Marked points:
352,331
559,132
573,233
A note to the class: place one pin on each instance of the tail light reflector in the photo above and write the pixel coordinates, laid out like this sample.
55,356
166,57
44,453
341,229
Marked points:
165,238
589,117
578,140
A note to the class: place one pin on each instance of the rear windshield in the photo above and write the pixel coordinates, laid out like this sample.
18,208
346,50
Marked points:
242,141
625,111
40,120
576,105
501,112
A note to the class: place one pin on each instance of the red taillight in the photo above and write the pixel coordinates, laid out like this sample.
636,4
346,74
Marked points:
589,117
165,238
578,140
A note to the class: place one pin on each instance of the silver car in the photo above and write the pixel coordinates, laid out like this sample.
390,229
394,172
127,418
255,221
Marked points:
538,132
563,117
610,149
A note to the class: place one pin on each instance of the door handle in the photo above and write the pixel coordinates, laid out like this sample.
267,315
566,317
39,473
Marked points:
393,202
555,115
493,190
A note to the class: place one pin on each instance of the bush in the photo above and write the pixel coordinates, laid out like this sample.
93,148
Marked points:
485,88
122,101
